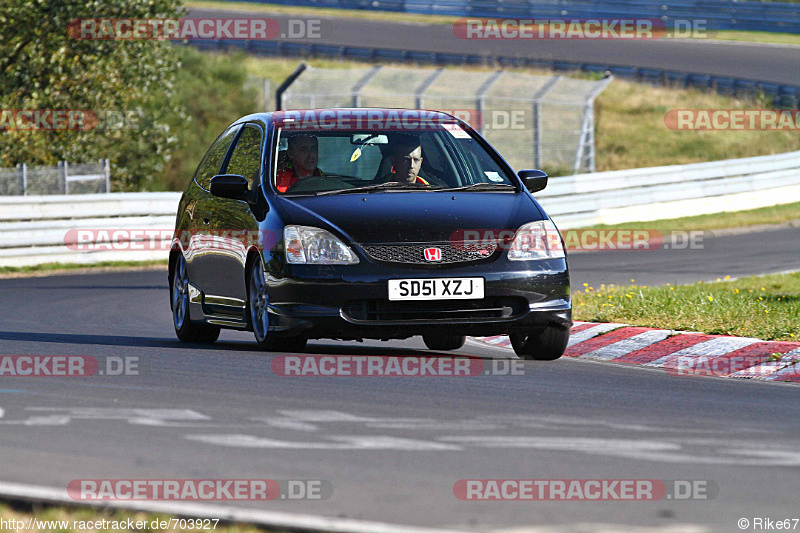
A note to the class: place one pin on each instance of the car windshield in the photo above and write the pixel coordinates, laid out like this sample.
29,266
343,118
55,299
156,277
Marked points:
436,157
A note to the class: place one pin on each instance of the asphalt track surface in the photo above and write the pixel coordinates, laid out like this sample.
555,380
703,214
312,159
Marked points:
392,448
766,62
705,256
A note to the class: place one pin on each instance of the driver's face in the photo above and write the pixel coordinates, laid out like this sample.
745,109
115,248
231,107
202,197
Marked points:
304,153
407,162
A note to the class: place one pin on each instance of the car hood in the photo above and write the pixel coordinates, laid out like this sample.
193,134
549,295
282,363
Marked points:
410,216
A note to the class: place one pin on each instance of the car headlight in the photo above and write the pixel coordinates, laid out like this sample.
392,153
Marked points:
315,246
536,240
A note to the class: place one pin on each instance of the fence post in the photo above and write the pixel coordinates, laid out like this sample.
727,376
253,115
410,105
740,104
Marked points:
480,97
356,90
419,92
63,171
107,173
584,157
286,83
22,177
537,120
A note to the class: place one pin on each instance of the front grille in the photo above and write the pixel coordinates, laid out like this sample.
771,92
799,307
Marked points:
498,308
415,253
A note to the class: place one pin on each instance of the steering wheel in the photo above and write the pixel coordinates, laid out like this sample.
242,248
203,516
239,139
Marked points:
318,184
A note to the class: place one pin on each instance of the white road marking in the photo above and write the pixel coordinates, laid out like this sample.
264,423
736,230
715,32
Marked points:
149,417
765,369
287,423
594,331
719,452
712,347
324,416
301,421
340,442
626,346
605,528
440,425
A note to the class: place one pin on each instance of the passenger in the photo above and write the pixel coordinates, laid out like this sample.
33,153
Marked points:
406,159
302,158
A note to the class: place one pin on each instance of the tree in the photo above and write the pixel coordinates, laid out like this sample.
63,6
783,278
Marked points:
43,67
213,91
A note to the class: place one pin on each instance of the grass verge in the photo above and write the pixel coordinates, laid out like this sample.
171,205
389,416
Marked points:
51,269
765,307
390,16
631,133
70,518
764,216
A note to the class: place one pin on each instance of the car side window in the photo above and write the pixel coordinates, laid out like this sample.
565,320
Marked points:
211,163
246,157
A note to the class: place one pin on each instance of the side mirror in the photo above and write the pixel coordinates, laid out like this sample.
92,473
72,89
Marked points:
534,180
229,186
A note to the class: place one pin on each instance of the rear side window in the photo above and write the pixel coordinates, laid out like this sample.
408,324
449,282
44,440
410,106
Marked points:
246,157
211,163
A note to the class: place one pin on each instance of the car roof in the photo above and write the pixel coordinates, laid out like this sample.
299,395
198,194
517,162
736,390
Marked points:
380,114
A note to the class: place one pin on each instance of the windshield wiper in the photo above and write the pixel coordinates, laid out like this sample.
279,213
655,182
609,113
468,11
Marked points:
480,186
376,187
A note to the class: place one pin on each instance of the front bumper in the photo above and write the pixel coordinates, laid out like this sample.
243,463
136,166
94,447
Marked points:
351,302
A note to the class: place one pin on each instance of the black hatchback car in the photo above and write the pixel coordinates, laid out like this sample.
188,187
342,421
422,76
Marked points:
366,223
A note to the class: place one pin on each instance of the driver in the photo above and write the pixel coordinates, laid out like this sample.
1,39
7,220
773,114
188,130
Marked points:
406,159
302,158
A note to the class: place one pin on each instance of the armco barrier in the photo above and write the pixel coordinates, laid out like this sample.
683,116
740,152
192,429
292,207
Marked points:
783,96
673,191
720,14
33,229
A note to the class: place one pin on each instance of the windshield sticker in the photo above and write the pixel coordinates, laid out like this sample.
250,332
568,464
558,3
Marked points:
456,131
493,176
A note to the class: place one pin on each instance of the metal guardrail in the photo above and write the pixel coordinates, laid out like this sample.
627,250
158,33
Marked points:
783,96
35,230
41,229
64,178
720,14
674,191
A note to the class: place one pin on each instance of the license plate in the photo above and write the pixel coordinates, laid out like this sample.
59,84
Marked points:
436,289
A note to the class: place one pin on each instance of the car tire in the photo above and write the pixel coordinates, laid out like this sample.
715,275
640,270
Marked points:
546,344
444,342
185,329
258,314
